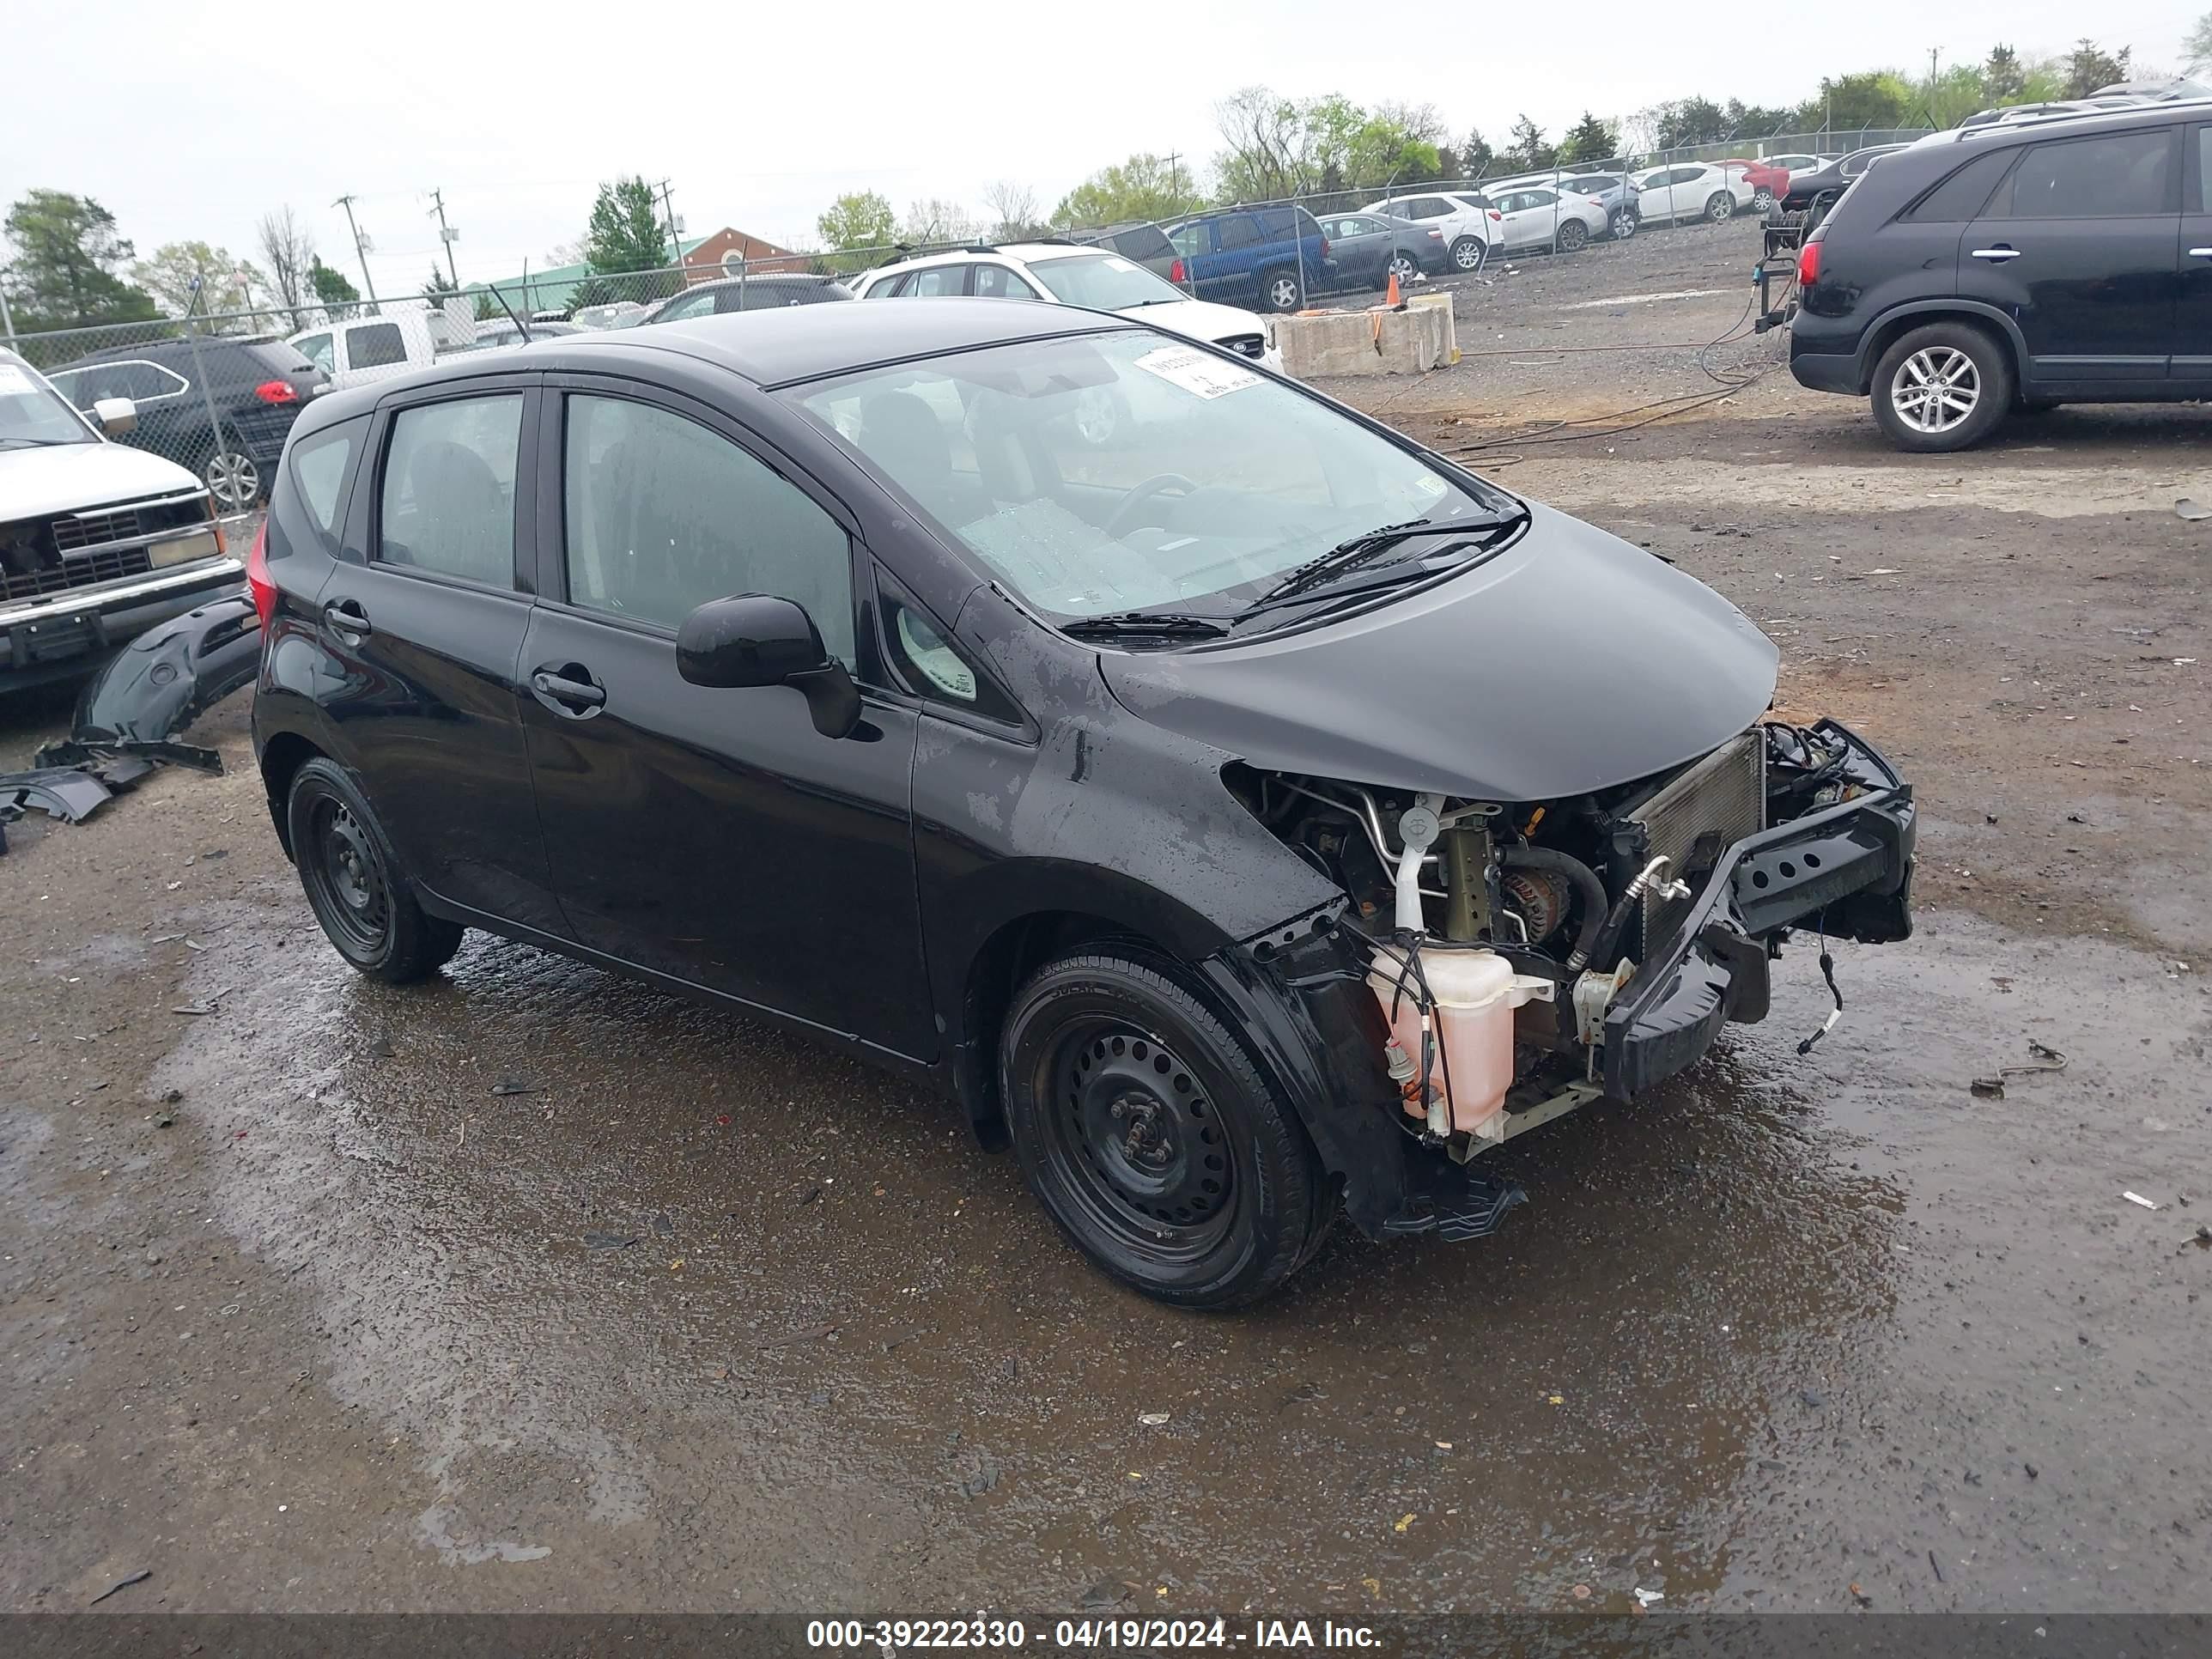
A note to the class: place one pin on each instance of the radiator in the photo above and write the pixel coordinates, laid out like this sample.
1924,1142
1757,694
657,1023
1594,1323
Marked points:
1708,806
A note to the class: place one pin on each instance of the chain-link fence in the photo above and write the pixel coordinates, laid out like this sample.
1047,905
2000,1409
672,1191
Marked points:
218,394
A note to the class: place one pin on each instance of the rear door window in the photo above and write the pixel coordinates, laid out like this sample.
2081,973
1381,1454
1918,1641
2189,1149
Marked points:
448,502
2121,176
1241,231
937,282
374,345
997,282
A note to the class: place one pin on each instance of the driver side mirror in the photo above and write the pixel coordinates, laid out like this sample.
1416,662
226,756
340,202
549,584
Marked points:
755,639
116,415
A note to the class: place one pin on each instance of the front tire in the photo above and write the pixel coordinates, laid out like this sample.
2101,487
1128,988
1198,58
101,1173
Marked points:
353,883
1151,1139
1404,267
1941,387
1467,254
1573,237
1722,208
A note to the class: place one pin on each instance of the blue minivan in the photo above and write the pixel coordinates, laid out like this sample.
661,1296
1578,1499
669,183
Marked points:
1269,258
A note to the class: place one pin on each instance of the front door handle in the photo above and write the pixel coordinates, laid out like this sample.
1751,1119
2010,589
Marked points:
564,693
345,618
1998,254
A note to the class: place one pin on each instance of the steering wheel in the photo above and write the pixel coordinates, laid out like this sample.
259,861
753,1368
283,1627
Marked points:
1124,518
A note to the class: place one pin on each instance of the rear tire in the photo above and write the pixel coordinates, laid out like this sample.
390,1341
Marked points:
231,477
1573,237
1404,267
366,906
1282,290
1149,1137
1469,253
1941,387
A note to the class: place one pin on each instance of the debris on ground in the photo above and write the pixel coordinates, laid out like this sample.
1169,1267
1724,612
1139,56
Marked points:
1647,1598
609,1240
124,1582
2202,1238
517,1085
2047,1058
2186,508
811,1334
2138,1198
1151,1420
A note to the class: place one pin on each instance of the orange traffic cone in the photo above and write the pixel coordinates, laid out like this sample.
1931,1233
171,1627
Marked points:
1390,293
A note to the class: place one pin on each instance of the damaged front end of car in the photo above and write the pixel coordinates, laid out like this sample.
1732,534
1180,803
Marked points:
1496,964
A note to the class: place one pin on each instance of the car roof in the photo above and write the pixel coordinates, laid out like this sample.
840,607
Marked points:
2070,122
769,348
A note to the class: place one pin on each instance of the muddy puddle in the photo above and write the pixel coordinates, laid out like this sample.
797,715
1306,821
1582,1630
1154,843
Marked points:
667,1310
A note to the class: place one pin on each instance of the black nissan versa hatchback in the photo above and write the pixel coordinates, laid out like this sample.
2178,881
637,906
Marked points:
2059,260
1256,814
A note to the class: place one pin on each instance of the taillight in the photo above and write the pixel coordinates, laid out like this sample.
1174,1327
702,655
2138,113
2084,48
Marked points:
1809,259
257,576
1324,247
277,392
1496,215
1175,271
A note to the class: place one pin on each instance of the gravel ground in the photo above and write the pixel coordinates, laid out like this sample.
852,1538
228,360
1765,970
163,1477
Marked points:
297,1313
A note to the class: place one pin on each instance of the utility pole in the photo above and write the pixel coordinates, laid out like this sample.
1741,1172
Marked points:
446,234
359,250
675,237
1174,173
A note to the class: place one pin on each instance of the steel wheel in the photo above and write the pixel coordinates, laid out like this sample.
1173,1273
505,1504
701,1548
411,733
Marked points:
1138,1137
233,479
345,878
1935,390
1624,224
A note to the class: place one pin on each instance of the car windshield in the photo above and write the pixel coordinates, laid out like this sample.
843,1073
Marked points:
32,414
1103,282
1102,473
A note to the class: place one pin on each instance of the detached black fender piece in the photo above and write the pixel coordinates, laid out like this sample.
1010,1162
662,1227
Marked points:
160,684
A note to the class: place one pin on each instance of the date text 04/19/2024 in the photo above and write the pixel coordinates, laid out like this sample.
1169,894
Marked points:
891,1636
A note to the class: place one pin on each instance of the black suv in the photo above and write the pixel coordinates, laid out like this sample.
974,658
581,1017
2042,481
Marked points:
254,390
2068,260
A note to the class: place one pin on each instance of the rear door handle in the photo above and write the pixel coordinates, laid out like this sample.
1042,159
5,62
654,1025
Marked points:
566,695
1998,254
345,618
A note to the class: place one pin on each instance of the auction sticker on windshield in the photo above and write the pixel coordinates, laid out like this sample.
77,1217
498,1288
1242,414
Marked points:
1196,371
13,383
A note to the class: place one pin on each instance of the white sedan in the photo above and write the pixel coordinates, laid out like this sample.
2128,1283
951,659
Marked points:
1690,190
1539,216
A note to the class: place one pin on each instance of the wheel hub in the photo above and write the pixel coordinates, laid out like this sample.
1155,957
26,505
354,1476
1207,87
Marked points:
1144,1132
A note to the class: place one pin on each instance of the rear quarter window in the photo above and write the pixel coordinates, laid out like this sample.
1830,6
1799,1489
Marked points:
1963,195
309,501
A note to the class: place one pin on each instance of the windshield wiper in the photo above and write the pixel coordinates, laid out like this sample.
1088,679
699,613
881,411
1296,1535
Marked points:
1345,556
1396,574
40,443
1121,624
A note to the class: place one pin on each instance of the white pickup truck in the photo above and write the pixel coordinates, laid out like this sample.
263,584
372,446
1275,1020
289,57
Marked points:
377,348
98,542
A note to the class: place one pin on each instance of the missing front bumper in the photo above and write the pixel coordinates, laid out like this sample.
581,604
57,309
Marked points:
1848,868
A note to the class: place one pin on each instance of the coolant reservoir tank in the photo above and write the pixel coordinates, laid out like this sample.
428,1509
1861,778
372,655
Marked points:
1475,993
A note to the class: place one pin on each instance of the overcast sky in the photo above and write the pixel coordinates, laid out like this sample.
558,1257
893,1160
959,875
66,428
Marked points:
191,127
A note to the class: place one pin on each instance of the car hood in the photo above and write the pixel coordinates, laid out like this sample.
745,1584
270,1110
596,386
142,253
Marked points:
1198,319
37,484
1569,662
